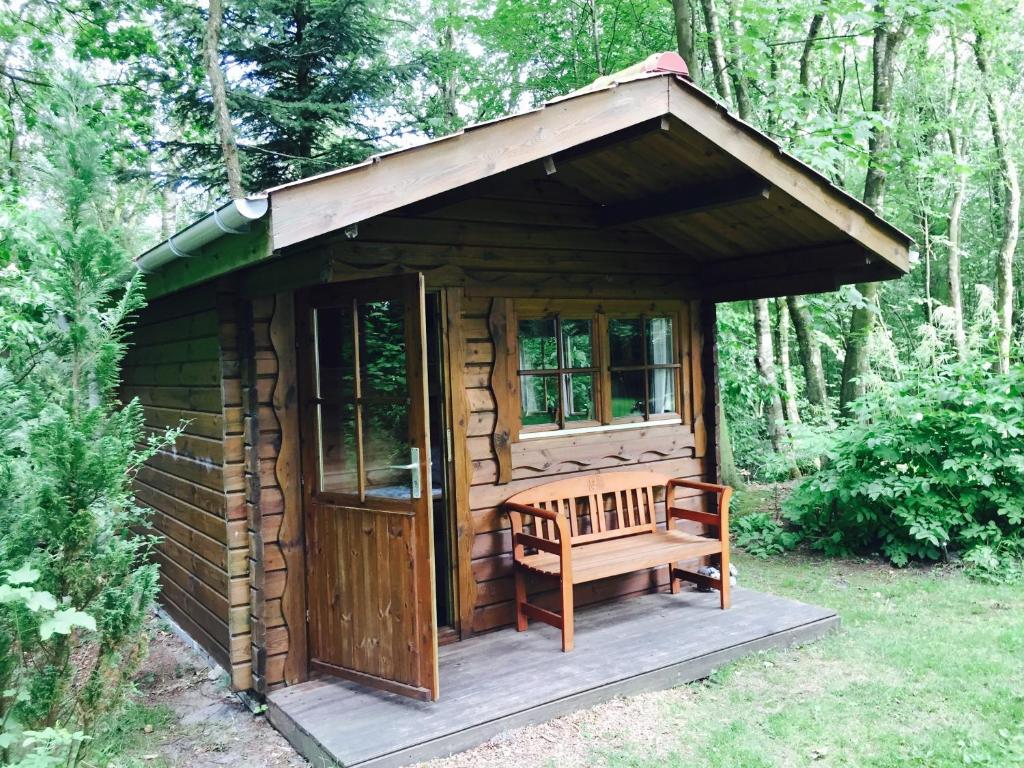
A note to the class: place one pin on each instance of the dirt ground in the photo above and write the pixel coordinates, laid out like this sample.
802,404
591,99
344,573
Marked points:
210,725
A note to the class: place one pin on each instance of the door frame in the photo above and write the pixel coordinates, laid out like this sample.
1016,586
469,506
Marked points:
461,470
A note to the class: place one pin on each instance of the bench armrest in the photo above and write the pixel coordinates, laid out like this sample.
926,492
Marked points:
516,512
719,519
562,547
523,509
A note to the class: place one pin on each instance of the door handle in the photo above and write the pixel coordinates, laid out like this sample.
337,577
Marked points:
414,467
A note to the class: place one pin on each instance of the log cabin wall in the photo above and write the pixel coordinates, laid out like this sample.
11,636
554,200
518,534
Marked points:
680,451
527,239
183,365
492,246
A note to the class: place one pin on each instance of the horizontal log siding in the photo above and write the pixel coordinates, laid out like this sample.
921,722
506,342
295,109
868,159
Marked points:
660,449
183,367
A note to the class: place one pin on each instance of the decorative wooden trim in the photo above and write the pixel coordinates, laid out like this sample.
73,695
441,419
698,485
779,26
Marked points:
466,588
504,383
288,473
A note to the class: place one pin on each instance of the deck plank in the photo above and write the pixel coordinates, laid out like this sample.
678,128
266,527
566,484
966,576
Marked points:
508,679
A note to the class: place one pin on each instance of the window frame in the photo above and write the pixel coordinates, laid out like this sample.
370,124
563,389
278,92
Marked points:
600,313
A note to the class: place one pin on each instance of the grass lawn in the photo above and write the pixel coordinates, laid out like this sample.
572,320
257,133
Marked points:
927,670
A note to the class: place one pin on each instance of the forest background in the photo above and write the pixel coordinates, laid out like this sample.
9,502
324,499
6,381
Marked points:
911,105
899,406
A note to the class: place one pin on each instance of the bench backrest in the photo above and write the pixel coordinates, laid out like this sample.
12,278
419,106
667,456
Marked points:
601,506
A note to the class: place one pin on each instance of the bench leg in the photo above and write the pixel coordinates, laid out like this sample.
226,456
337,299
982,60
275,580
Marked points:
674,584
567,616
723,569
520,580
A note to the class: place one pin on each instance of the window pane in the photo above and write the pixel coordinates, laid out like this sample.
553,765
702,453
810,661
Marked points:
627,394
577,341
338,463
662,388
537,345
382,349
335,361
385,448
660,340
579,397
625,341
539,397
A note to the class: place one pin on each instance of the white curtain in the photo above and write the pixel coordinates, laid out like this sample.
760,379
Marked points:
528,387
663,390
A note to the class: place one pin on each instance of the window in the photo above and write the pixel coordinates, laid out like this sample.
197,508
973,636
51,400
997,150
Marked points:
587,370
557,372
642,362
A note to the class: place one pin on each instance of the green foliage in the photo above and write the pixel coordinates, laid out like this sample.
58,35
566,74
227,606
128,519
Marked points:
761,535
79,582
929,465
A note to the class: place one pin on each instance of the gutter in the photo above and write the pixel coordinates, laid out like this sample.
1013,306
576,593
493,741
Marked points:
232,218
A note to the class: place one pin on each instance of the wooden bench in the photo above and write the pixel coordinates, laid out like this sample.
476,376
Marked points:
556,534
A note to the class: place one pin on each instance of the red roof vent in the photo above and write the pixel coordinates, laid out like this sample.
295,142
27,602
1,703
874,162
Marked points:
669,61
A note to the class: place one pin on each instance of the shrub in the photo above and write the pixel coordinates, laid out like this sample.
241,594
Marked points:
928,465
75,578
761,535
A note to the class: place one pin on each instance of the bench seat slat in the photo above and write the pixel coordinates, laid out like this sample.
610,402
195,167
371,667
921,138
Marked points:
614,557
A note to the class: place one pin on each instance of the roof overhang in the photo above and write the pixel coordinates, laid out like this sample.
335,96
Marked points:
653,151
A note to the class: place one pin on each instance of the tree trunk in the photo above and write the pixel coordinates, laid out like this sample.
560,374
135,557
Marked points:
726,460
716,51
218,91
956,207
766,369
813,30
1010,203
683,13
595,38
810,352
739,82
782,343
862,318
168,213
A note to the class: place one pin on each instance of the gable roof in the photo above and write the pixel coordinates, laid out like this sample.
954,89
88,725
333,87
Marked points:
689,136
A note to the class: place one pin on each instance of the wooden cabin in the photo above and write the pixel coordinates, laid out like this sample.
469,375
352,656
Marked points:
371,361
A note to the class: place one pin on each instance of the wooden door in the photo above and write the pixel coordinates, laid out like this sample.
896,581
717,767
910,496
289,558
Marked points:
366,484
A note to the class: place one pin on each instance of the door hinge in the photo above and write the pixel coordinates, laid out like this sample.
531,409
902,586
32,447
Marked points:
307,615
451,446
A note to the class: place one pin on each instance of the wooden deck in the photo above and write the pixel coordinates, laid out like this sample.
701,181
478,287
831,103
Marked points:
508,679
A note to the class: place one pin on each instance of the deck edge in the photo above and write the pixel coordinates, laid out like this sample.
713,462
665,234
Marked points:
662,678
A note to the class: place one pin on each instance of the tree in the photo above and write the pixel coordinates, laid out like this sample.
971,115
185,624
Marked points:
72,613
810,352
782,326
956,204
312,72
682,11
888,35
218,92
1010,199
